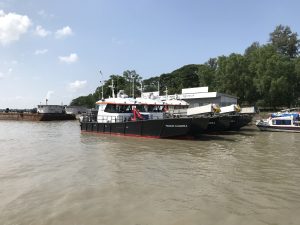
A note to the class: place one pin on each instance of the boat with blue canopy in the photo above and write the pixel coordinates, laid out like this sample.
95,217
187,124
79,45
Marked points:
286,121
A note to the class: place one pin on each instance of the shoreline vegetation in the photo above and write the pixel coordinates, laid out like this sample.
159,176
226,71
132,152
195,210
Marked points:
266,75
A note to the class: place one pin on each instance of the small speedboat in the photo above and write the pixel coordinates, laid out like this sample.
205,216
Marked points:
281,121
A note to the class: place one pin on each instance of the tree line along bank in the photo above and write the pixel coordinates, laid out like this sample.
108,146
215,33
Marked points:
266,75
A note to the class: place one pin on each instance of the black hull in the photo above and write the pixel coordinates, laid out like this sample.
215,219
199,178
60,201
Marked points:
218,123
199,125
239,121
164,128
228,123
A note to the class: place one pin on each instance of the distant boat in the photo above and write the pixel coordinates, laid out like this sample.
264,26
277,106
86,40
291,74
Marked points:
286,121
42,113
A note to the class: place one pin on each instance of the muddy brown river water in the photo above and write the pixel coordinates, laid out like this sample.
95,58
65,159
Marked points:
52,174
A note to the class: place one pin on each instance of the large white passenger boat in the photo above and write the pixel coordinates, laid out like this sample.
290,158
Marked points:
135,117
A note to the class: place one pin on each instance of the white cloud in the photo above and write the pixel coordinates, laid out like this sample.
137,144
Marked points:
40,31
12,26
49,93
7,74
117,41
40,51
19,97
63,32
44,14
36,78
11,63
77,85
72,58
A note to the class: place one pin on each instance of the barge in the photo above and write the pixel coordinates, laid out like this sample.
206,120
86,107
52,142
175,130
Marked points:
42,113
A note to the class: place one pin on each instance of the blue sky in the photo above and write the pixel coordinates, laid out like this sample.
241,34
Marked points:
56,48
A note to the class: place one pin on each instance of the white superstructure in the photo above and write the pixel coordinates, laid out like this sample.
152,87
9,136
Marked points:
230,109
114,110
50,109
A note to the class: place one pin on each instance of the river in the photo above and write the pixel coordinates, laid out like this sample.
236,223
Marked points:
52,174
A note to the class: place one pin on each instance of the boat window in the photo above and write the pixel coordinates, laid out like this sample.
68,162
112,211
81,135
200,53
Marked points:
178,107
102,107
124,108
281,122
142,108
150,108
112,108
155,108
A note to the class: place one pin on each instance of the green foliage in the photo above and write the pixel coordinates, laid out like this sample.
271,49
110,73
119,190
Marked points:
232,74
184,77
265,75
285,41
151,84
207,74
124,82
132,83
87,101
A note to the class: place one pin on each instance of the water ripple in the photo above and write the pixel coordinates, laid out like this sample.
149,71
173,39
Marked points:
52,174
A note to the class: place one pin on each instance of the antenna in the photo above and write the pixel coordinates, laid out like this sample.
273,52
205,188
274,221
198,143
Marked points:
141,88
101,82
112,88
133,86
166,93
132,79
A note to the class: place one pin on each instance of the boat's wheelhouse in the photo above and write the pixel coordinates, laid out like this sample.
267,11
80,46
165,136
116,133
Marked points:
115,110
151,112
284,119
151,109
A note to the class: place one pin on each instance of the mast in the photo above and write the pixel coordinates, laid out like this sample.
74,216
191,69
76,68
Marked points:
112,88
132,77
166,93
158,87
101,82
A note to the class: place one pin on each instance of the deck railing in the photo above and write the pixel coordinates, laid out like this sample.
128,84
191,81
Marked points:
114,119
